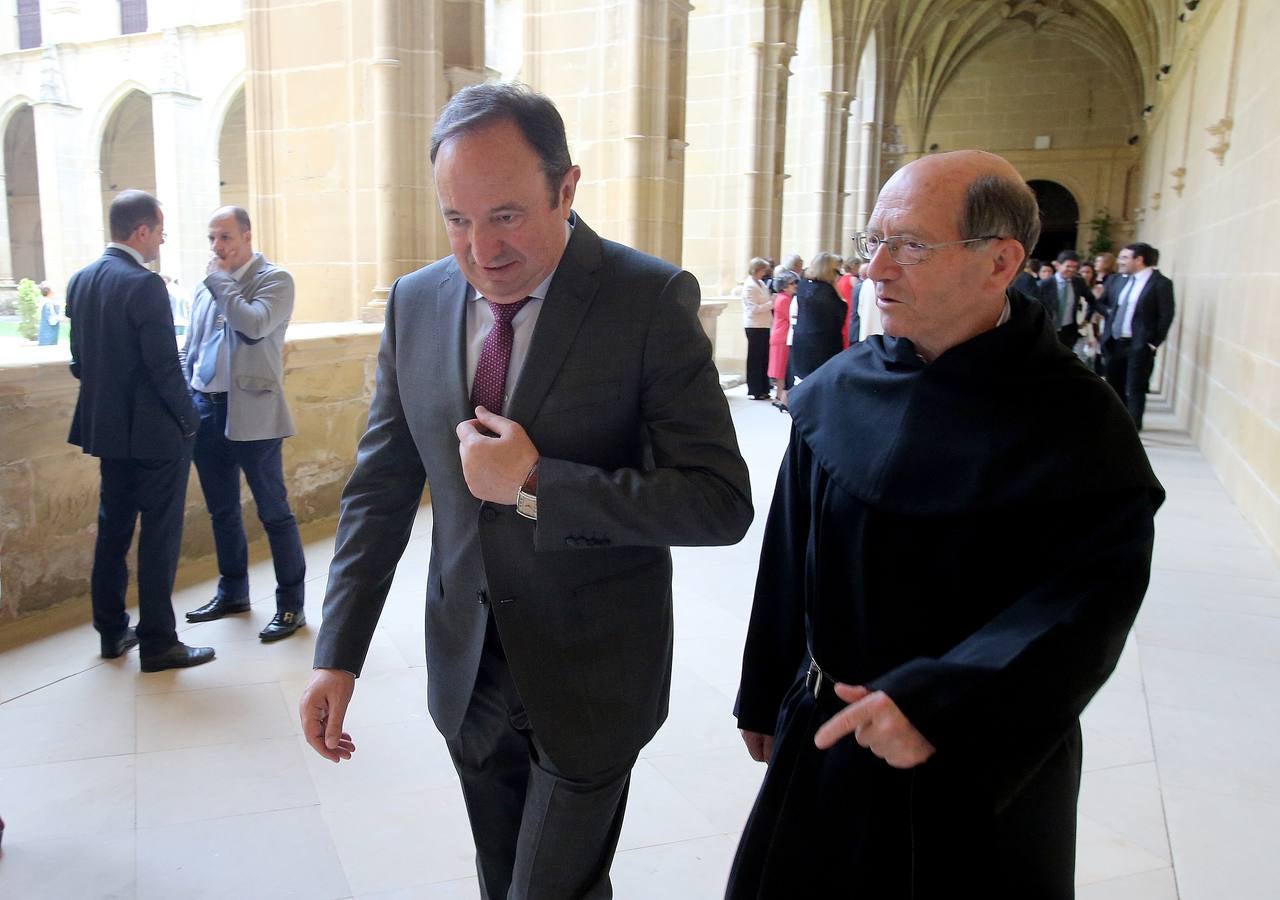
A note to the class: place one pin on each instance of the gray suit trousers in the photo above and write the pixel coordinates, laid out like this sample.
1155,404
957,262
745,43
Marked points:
538,833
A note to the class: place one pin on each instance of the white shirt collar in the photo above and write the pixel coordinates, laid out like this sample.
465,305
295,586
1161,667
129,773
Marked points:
127,249
239,273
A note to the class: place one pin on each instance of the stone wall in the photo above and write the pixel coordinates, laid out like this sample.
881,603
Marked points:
1211,204
49,489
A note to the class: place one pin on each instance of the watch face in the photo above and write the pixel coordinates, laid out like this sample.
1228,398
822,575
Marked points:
527,505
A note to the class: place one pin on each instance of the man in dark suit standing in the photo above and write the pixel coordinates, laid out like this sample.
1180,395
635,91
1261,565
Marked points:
558,394
1139,309
135,414
1062,294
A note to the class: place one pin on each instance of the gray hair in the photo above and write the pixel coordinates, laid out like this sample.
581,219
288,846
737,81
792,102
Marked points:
756,265
784,277
994,204
480,105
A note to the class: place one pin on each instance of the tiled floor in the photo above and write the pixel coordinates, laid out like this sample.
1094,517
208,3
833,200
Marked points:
197,783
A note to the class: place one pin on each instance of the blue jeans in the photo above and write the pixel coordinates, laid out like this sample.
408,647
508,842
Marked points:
219,462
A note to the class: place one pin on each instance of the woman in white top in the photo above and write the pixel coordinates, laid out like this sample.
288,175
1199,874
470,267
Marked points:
757,319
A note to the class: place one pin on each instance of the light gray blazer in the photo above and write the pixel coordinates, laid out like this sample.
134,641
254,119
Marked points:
638,453
257,310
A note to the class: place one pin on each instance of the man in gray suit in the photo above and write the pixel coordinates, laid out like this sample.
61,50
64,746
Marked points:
558,394
235,366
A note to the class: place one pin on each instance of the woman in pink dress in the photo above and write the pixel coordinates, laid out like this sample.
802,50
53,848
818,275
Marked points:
784,285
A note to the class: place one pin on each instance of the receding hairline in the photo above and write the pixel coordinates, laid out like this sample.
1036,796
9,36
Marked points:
238,213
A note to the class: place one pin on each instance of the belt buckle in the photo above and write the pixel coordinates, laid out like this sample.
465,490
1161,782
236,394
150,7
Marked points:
813,680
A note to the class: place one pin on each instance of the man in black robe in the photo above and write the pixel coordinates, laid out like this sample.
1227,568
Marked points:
949,571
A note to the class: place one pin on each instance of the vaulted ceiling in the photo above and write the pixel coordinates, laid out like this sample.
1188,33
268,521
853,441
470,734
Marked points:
921,44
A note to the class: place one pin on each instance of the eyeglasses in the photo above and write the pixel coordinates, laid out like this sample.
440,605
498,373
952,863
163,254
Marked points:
905,251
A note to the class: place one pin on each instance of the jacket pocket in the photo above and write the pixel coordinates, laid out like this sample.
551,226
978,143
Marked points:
256,385
560,399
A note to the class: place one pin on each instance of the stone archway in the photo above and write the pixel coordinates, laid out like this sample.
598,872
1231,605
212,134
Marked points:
22,187
233,156
127,156
1059,218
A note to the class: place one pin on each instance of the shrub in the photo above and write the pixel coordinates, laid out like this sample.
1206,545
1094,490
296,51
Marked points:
28,309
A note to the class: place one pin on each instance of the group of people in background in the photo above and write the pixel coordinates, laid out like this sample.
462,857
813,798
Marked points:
1114,313
797,317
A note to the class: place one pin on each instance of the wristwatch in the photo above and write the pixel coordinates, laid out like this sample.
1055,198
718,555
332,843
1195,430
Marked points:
527,496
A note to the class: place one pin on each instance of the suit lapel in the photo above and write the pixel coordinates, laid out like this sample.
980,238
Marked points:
451,313
569,296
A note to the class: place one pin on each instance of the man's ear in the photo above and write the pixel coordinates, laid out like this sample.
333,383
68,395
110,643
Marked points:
569,188
1006,262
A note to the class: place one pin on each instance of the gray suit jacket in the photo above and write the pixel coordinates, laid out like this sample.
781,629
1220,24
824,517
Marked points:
638,453
257,309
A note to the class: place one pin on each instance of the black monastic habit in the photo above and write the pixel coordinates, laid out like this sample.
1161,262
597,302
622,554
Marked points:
973,537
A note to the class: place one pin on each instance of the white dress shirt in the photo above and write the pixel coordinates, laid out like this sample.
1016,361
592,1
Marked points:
1134,290
480,323
127,249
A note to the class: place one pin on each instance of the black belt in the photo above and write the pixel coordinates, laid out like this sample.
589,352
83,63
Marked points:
816,680
218,397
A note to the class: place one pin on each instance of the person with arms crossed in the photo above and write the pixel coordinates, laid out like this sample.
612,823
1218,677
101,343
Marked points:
578,432
948,575
133,413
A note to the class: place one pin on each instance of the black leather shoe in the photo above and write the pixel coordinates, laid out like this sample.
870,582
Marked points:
179,656
217,608
282,625
113,648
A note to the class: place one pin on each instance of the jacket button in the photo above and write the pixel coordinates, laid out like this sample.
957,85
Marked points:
481,597
488,514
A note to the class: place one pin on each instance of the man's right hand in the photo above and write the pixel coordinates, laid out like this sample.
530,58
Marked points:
322,708
760,746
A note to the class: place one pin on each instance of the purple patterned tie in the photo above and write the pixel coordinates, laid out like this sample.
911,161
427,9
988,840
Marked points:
490,383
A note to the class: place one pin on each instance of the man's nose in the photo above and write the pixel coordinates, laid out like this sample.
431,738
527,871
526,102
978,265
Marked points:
486,244
882,266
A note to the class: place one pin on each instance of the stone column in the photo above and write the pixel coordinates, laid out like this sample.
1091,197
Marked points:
70,203
385,68
184,185
7,285
645,138
853,177
835,117
768,104
870,184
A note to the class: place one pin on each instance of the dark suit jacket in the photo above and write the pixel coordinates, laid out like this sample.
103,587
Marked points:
134,402
638,453
1047,292
1152,318
819,322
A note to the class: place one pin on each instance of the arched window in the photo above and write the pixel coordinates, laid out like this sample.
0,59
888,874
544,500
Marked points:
28,24
133,16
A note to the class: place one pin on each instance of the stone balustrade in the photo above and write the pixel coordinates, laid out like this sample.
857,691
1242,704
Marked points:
49,489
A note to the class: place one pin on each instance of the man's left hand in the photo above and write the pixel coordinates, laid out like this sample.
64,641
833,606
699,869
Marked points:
876,723
496,456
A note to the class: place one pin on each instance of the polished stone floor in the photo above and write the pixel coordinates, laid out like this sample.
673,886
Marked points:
197,783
